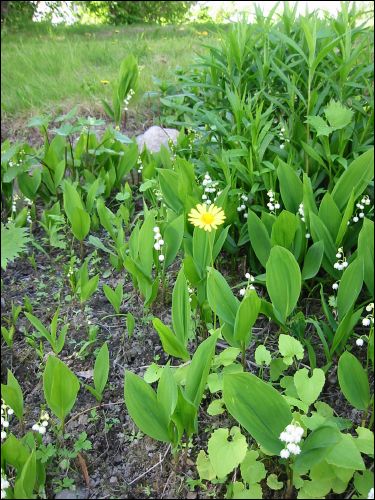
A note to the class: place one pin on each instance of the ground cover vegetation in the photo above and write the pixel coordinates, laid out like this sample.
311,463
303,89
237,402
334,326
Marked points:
198,322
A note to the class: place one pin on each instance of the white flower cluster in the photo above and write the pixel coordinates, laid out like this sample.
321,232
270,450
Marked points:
210,187
371,494
361,206
292,436
273,204
250,286
242,206
282,138
191,292
14,202
369,319
341,263
18,163
140,165
6,413
301,211
42,425
159,242
4,484
128,98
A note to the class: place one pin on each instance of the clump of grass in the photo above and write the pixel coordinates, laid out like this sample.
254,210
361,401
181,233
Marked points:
43,67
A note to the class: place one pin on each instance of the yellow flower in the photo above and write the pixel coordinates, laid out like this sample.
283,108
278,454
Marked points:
104,82
206,217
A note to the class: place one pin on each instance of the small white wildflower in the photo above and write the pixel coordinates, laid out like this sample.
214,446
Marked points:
282,146
157,246
369,308
359,342
284,453
3,435
35,427
335,286
42,430
277,206
338,255
242,292
247,276
307,236
204,197
208,202
361,215
10,411
156,229
355,219
161,258
366,322
246,215
371,494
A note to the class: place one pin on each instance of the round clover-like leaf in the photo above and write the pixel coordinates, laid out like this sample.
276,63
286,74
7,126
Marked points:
273,483
309,388
226,450
262,356
290,347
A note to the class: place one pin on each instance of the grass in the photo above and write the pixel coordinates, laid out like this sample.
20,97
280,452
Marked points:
45,69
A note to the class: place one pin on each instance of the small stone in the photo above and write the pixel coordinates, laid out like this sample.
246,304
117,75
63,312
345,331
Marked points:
113,479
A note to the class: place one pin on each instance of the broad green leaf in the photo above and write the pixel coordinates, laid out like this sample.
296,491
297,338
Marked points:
60,386
101,368
284,230
345,219
313,260
199,369
315,447
259,238
365,441
330,215
283,280
226,455
291,187
353,381
258,407
181,312
12,395
168,180
171,344
114,296
167,393
350,287
24,485
319,232
247,314
173,235
221,298
345,454
29,184
357,176
309,388
144,408
366,252
80,221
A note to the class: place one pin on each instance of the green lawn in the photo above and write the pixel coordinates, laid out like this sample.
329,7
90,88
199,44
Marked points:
54,69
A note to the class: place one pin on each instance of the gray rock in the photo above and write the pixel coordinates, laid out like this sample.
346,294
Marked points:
113,479
79,493
155,137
